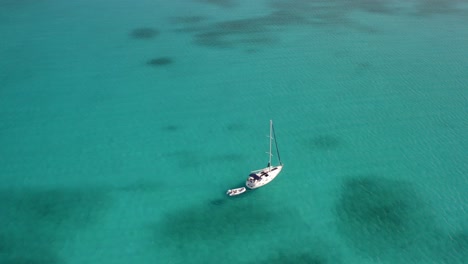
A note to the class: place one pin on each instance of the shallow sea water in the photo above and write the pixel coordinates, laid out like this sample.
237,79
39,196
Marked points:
122,125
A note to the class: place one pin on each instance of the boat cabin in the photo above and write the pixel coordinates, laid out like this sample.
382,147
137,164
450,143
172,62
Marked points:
254,177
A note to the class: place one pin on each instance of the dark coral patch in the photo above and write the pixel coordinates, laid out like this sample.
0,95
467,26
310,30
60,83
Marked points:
193,226
363,65
375,205
383,218
236,127
144,33
265,29
162,61
221,228
55,206
48,216
170,128
186,159
188,20
456,249
218,202
142,186
431,7
250,51
26,256
220,3
310,250
325,142
295,258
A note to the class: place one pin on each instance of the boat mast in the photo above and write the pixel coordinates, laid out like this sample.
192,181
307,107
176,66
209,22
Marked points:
276,145
271,137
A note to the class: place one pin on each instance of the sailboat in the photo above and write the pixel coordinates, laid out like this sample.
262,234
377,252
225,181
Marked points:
259,178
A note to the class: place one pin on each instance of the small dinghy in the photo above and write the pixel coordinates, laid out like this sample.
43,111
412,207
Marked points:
237,191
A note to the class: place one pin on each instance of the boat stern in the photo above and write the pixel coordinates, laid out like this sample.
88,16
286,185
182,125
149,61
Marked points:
253,181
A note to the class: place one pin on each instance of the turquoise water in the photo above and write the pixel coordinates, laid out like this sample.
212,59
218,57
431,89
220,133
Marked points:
122,124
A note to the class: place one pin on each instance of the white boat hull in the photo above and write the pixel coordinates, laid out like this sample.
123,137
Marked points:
236,191
262,177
